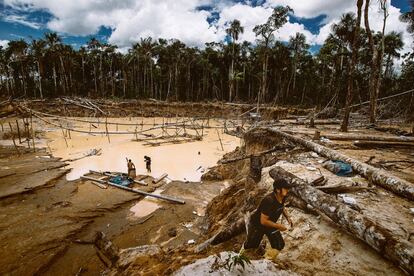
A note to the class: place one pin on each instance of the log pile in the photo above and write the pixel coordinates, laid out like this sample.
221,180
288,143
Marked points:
399,251
374,175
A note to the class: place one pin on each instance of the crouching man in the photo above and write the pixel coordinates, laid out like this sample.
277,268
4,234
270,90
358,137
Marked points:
264,220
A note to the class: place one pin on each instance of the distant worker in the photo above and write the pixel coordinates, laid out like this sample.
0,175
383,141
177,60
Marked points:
264,220
147,160
131,169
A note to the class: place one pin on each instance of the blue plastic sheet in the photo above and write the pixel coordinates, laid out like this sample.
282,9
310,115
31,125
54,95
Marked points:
120,180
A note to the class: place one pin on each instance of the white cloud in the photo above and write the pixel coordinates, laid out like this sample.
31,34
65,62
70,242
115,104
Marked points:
250,16
166,19
132,19
4,43
309,9
21,19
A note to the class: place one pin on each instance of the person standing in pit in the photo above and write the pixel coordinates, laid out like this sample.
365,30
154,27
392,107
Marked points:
147,160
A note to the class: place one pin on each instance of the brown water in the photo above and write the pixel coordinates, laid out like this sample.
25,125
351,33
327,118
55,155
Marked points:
179,161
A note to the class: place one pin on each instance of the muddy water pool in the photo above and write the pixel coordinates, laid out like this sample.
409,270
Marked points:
184,161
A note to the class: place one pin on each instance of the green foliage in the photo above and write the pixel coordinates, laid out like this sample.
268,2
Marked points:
231,262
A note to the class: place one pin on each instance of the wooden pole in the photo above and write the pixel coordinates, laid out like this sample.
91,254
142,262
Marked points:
33,133
218,134
18,131
14,142
141,192
26,126
2,129
106,128
156,180
64,137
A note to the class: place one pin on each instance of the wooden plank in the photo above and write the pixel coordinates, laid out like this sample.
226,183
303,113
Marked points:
96,182
156,180
168,198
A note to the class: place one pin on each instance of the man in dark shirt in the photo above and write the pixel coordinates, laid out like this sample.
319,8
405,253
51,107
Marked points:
264,219
147,160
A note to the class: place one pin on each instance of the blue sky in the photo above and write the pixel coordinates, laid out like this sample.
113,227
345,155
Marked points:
194,22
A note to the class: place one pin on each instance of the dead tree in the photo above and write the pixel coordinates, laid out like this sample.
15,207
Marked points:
399,251
376,176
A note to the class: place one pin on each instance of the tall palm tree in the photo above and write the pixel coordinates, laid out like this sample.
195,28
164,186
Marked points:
408,17
38,49
94,52
298,46
17,51
351,70
392,44
53,41
233,31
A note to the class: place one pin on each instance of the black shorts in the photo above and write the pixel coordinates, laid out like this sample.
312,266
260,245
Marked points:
255,236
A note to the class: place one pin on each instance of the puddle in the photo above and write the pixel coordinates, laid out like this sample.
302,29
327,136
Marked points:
186,161
144,208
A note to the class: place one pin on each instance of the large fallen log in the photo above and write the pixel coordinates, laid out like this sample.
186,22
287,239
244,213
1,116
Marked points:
341,189
276,148
376,176
399,251
381,144
358,137
355,137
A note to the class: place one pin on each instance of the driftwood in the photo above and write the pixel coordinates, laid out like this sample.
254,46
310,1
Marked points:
100,185
376,176
399,251
355,137
156,180
358,137
341,189
378,144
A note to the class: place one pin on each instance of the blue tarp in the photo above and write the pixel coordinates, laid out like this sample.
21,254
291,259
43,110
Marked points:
339,168
120,180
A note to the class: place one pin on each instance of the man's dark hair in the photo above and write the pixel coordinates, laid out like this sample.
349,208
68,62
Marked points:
280,183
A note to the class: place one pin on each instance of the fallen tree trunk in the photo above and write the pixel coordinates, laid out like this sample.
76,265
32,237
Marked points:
376,176
341,189
399,251
380,144
356,137
276,148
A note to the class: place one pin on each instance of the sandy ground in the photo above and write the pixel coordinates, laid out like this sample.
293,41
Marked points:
48,221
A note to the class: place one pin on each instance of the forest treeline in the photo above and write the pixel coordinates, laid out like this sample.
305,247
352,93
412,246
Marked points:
271,71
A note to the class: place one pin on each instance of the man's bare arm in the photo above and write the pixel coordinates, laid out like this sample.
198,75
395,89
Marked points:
265,221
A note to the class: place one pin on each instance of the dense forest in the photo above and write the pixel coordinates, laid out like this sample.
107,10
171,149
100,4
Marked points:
353,59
